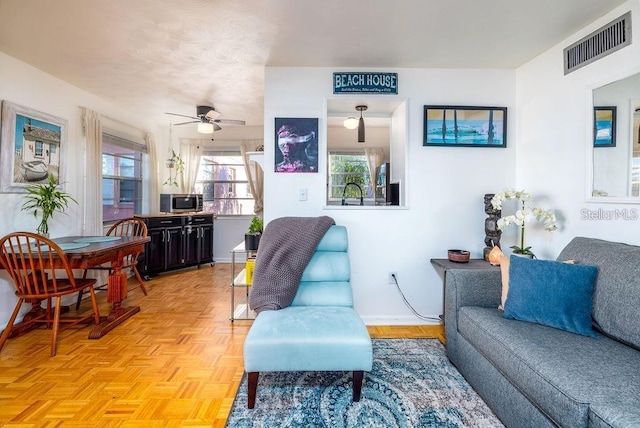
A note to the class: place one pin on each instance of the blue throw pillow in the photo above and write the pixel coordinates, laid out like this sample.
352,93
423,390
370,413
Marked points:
551,293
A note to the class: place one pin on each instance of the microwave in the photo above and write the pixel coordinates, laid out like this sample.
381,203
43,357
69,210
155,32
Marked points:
180,203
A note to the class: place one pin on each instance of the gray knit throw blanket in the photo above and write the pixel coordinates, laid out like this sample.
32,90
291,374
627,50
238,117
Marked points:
286,246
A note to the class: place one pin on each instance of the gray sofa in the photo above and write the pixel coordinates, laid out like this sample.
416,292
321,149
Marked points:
532,375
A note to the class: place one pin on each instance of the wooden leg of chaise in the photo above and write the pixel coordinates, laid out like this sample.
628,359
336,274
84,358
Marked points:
253,388
357,384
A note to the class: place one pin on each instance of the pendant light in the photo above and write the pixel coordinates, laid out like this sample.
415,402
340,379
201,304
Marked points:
361,108
350,123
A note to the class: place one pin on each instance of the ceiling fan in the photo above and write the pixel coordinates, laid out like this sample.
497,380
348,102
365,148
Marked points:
207,119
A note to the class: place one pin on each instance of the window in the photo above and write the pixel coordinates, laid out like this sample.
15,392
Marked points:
223,182
121,178
39,148
348,167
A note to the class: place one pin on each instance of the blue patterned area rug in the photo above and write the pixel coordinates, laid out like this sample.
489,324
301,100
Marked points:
412,384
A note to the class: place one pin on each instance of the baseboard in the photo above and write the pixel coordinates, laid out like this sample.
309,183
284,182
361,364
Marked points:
395,320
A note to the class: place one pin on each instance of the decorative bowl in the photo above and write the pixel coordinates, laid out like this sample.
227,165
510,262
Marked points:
458,256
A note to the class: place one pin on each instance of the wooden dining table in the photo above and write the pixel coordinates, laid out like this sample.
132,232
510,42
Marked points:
84,252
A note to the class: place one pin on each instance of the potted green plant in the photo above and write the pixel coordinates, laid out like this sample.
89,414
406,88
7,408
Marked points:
252,237
45,200
175,161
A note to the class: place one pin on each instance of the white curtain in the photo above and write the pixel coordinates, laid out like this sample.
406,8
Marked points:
255,176
92,127
190,154
154,174
374,160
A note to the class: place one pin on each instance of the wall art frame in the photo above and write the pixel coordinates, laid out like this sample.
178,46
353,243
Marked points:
296,144
32,146
604,126
465,126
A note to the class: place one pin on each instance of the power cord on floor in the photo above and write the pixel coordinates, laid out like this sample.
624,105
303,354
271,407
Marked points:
395,280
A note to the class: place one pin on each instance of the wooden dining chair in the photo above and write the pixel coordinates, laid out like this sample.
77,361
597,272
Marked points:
125,227
36,265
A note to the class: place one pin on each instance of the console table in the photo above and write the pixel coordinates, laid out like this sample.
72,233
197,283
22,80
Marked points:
442,266
239,256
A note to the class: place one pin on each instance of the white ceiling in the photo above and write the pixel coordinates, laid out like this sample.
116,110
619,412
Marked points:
171,55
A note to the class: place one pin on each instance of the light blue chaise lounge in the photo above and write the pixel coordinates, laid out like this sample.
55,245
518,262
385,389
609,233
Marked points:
320,331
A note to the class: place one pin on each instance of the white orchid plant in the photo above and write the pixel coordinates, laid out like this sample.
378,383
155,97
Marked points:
521,216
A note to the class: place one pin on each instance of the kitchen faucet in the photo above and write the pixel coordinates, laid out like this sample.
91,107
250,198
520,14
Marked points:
345,191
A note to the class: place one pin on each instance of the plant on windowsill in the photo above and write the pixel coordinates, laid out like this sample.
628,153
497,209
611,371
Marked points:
175,161
522,216
45,200
252,237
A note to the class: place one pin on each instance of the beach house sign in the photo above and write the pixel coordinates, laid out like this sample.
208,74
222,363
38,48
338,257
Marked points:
365,83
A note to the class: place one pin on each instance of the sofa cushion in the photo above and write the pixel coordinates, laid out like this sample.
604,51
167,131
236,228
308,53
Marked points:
616,297
504,271
551,293
560,372
622,412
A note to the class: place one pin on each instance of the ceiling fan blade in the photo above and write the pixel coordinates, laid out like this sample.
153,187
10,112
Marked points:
212,114
182,115
230,121
185,123
217,127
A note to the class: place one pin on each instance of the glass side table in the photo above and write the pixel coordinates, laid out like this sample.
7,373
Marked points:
239,287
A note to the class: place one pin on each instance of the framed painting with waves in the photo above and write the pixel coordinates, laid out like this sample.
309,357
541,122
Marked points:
604,126
465,126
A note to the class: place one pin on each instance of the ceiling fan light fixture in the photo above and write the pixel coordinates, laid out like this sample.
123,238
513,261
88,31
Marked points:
351,123
205,128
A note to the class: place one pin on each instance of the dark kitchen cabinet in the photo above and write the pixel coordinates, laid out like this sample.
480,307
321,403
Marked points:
198,242
176,242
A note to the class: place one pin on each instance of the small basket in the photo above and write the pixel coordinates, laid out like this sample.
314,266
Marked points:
459,256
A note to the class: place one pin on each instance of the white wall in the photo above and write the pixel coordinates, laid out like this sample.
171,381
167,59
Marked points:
555,137
445,186
340,137
27,86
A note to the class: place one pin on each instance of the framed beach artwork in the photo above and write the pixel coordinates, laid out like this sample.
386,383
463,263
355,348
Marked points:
296,144
465,126
604,126
32,145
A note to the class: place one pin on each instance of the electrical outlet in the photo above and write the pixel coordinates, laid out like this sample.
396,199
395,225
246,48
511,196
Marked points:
391,275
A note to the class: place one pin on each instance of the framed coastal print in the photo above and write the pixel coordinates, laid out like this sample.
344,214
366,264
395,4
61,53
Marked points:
296,144
604,126
32,145
465,126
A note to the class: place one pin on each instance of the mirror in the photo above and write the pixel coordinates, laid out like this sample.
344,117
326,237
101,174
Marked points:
616,148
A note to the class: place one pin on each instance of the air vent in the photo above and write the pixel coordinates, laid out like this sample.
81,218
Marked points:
602,42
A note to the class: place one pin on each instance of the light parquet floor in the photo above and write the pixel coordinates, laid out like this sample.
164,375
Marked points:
177,363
